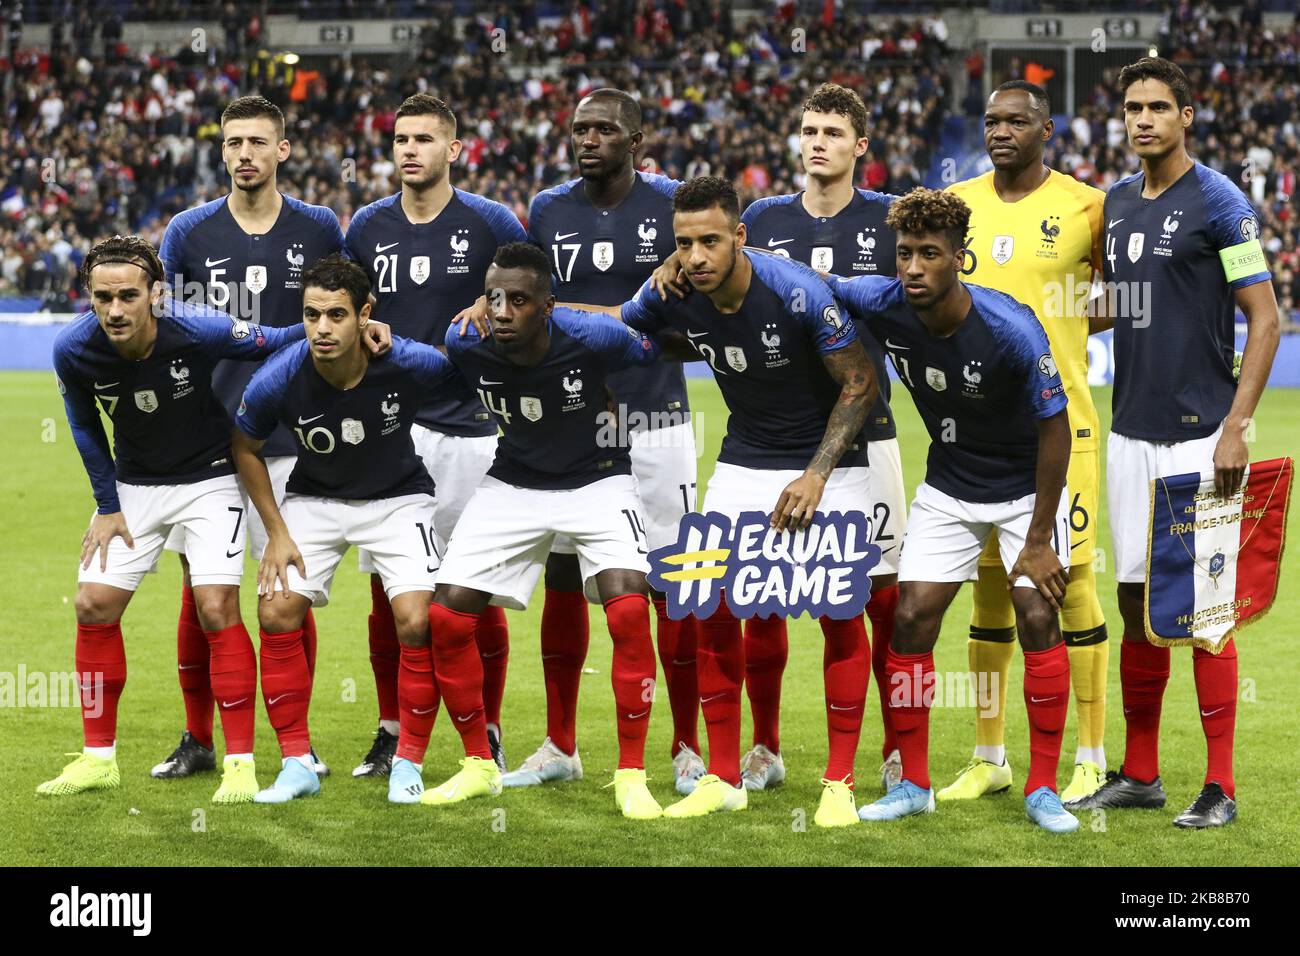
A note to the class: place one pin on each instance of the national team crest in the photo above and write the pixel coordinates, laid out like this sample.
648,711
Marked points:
935,378
146,400
1003,249
602,255
823,257
736,357
419,269
255,279
1135,246
530,408
352,431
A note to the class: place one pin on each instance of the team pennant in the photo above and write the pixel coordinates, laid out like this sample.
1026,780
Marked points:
1213,563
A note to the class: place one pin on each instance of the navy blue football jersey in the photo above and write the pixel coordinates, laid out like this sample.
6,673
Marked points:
980,390
601,257
556,432
855,241
1177,261
168,426
353,444
209,258
423,274
766,358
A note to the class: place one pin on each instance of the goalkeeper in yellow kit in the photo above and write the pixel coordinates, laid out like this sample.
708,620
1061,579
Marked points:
1035,234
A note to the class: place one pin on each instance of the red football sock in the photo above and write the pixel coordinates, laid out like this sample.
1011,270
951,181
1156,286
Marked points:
632,674
192,668
385,651
493,639
286,689
846,669
234,684
101,669
677,649
1143,674
565,635
767,648
417,695
1047,697
721,669
1216,693
911,692
459,674
309,646
880,611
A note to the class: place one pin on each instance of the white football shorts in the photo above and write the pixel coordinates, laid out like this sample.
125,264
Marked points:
502,539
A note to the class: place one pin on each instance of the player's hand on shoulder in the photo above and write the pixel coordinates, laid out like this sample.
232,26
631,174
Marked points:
378,337
280,553
1039,563
669,275
798,502
1230,459
476,314
102,530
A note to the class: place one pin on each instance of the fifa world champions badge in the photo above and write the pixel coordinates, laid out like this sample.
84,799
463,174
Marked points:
822,570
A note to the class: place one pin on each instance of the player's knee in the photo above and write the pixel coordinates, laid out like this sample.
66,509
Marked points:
1038,622
217,607
94,606
563,573
913,624
278,616
412,626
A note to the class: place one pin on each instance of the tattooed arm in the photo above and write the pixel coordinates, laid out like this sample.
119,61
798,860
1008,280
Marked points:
850,368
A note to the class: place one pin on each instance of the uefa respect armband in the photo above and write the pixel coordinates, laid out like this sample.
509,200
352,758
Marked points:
1242,260
1213,563
822,570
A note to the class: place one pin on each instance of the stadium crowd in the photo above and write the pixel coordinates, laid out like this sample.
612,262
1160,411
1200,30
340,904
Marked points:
101,139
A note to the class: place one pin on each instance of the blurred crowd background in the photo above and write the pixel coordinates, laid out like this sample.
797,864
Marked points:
99,138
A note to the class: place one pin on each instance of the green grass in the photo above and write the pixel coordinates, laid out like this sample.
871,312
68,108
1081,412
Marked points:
47,503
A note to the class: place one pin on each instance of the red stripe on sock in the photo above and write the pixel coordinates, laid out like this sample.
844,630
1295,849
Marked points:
767,648
911,692
632,674
459,674
234,685
192,668
1216,695
677,642
846,670
721,669
566,633
417,694
1047,697
101,667
286,689
880,611
385,651
1143,674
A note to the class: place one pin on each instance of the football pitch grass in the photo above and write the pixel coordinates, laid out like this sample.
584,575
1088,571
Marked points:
151,822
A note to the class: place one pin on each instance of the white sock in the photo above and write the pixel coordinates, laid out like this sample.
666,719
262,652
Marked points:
1095,755
391,726
995,755
229,757
305,760
495,729
103,753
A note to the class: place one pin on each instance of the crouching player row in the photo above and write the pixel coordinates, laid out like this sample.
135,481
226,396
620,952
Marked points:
147,360
359,482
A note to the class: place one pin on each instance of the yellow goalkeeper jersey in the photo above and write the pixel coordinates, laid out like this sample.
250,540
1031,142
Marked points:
1042,251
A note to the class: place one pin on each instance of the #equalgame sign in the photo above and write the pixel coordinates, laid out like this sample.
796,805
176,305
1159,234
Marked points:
822,570
1213,563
